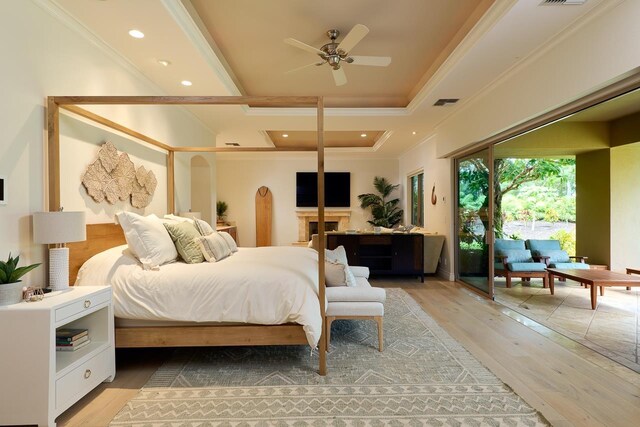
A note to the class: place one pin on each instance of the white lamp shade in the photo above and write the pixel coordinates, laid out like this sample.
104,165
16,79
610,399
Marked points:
59,227
193,215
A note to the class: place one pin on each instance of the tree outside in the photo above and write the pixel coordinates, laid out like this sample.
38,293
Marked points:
533,199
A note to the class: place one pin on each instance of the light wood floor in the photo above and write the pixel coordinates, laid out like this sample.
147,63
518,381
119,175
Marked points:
567,382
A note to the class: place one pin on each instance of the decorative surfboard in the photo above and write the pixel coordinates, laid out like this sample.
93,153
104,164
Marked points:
263,216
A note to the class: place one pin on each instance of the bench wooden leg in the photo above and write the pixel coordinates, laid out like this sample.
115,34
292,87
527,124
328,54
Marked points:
379,320
508,280
601,291
328,321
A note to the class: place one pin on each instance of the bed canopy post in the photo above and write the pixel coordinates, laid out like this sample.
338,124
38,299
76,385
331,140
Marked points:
321,238
171,205
53,153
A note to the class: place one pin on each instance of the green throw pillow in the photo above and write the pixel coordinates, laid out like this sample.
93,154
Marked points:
184,236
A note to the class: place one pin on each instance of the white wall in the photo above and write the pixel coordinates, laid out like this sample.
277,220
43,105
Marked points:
437,218
239,177
43,57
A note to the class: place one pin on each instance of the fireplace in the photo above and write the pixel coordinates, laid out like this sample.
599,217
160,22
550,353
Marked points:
334,220
328,226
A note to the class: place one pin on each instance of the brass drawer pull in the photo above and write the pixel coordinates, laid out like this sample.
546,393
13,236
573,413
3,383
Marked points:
87,303
87,374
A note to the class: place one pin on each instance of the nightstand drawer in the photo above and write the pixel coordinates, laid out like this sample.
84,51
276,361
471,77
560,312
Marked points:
81,305
83,379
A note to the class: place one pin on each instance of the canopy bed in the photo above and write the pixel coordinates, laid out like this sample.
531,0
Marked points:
101,237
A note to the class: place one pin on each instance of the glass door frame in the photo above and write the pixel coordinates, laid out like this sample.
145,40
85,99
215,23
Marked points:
490,234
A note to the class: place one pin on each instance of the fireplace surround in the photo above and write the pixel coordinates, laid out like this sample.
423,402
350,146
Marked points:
305,217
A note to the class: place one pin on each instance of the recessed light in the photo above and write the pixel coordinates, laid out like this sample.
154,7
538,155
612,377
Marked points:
136,34
164,62
413,133
285,135
363,135
186,83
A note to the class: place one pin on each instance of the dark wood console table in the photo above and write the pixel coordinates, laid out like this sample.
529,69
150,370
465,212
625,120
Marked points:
384,254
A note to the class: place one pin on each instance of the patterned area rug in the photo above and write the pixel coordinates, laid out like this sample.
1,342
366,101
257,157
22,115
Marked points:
423,377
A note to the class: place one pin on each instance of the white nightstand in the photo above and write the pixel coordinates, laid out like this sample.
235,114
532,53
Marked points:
37,383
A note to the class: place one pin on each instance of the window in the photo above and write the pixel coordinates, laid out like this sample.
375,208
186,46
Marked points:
417,198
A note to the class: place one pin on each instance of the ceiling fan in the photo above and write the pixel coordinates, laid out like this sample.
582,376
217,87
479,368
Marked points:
334,53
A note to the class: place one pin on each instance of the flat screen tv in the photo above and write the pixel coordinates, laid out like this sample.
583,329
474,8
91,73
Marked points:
337,189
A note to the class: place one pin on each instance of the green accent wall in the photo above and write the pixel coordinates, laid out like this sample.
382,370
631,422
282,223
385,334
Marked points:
625,206
593,206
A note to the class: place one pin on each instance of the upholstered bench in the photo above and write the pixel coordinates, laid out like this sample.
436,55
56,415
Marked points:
361,302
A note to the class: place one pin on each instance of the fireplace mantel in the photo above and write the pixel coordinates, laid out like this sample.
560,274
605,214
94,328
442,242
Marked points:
304,217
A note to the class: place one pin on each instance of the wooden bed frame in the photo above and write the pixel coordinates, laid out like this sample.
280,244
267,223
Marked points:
104,236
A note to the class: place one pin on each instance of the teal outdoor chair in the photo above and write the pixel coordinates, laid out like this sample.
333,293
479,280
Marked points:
514,260
550,252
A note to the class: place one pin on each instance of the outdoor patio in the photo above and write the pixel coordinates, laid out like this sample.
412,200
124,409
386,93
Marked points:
613,329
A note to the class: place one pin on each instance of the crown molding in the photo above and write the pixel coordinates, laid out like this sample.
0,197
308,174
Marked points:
338,112
196,35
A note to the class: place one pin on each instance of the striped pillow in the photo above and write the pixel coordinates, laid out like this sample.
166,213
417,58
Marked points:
213,247
203,227
230,242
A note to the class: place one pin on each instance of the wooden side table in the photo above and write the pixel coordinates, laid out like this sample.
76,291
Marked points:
231,229
39,383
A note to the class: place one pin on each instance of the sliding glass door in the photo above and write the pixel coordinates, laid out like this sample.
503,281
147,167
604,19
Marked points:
474,221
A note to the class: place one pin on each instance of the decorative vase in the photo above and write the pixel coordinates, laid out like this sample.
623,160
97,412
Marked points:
10,293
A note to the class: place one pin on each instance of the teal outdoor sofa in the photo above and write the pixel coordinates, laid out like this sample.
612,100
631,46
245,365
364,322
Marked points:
514,260
550,252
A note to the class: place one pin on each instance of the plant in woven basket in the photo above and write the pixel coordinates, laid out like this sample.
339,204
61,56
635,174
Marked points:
11,273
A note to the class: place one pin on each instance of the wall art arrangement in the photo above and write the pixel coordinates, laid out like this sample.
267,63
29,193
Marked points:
113,176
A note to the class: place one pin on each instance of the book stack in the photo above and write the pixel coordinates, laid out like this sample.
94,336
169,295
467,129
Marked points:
71,339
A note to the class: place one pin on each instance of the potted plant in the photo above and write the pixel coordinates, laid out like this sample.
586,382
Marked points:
10,285
221,211
385,213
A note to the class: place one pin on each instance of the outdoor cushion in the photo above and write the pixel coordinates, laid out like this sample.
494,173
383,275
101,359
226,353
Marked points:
542,245
504,245
555,256
517,255
569,265
526,266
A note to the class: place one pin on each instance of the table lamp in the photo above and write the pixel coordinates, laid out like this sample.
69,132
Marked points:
58,228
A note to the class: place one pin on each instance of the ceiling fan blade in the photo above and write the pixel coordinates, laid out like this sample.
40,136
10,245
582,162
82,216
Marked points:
304,66
303,46
339,76
376,61
356,34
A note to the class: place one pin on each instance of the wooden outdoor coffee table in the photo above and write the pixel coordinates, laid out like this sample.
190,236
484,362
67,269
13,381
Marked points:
595,278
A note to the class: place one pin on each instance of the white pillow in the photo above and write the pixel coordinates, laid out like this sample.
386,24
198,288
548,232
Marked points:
203,227
334,274
178,218
148,240
339,255
213,247
230,242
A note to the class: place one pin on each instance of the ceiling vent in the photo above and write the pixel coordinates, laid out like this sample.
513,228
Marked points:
232,144
562,2
446,101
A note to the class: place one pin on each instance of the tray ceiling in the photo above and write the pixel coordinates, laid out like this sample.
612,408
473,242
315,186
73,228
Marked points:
419,35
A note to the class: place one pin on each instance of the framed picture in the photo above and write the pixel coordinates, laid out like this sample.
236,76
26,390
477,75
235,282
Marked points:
3,190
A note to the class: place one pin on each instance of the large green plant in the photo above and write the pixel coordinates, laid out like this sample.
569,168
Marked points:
11,273
385,213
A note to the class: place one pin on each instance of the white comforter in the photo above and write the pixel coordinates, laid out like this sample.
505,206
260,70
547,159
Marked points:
269,286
